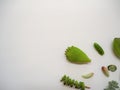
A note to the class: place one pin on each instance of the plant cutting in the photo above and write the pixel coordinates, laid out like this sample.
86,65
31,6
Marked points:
76,55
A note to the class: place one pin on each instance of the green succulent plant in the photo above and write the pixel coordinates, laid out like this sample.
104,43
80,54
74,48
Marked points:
67,81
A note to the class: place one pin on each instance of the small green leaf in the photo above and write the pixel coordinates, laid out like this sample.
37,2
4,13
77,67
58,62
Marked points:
98,48
87,76
112,68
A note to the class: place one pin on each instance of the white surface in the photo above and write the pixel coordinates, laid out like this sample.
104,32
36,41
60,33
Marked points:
35,33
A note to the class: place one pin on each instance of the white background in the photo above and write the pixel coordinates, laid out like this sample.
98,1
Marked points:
35,33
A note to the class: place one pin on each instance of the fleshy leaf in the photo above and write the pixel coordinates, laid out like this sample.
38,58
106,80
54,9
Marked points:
76,55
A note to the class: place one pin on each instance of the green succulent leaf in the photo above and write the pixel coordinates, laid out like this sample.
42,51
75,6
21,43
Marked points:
87,76
116,47
98,48
76,55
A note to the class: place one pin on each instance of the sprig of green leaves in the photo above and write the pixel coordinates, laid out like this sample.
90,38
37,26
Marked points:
73,83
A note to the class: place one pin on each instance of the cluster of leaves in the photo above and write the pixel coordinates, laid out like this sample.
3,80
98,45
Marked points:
73,83
112,85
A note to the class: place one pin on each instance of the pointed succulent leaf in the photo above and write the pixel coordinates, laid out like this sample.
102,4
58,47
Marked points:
76,55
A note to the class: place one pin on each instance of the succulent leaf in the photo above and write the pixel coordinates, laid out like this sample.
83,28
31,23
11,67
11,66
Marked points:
98,48
116,47
76,55
87,76
105,71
